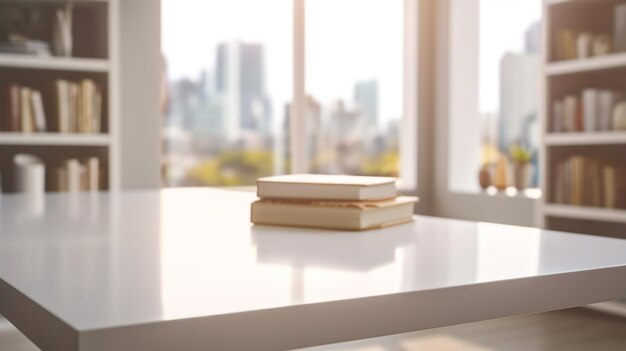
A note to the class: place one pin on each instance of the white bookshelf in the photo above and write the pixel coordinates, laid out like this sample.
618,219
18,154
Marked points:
54,63
586,65
588,213
10,138
97,59
571,77
588,138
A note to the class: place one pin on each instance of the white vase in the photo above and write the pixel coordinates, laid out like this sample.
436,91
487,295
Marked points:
62,31
30,174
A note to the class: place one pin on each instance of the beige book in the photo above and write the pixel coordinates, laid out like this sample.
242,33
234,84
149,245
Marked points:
61,176
74,107
87,92
62,106
341,215
27,122
74,178
610,186
97,112
92,166
326,187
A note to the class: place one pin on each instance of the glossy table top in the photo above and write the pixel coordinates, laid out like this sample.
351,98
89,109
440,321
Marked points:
98,261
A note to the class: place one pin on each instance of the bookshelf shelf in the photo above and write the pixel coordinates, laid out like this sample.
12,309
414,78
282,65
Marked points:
588,213
587,138
12,138
54,63
585,65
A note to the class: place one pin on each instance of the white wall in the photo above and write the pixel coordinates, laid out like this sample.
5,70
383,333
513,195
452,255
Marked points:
140,73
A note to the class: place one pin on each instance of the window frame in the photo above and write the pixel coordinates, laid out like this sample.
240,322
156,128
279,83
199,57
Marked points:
517,210
408,137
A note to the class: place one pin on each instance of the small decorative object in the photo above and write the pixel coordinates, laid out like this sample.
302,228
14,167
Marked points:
601,45
62,31
29,174
484,176
619,116
500,178
523,168
583,45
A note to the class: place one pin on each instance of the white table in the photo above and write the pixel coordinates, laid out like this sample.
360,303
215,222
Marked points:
185,270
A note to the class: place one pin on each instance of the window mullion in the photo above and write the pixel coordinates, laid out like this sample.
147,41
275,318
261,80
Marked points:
298,122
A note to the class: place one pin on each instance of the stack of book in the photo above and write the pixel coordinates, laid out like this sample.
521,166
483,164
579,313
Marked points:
24,111
73,176
78,106
586,181
330,202
592,111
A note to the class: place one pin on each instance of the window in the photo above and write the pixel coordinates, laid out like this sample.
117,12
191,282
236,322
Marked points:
239,73
494,88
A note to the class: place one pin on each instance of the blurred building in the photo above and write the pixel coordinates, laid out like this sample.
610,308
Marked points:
240,81
366,99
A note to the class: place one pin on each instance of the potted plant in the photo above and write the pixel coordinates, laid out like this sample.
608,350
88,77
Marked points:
522,167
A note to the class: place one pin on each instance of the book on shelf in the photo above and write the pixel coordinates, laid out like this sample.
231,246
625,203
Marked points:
78,106
586,181
341,215
39,115
74,176
327,187
591,111
619,27
565,41
24,110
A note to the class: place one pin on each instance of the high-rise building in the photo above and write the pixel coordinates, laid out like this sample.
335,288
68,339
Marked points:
519,79
366,99
240,80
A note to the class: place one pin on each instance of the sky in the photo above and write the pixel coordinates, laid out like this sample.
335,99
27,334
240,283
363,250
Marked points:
346,41
503,24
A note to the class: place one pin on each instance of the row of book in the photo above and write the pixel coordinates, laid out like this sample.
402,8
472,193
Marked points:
586,181
330,202
577,44
74,176
592,110
24,110
77,108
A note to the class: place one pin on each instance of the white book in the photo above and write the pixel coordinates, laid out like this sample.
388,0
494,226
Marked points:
38,111
326,187
605,108
590,109
558,117
619,28
73,175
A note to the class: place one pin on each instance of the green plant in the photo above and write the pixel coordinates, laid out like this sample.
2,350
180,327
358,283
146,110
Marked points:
520,154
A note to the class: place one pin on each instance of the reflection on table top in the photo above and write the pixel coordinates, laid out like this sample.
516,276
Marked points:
110,259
